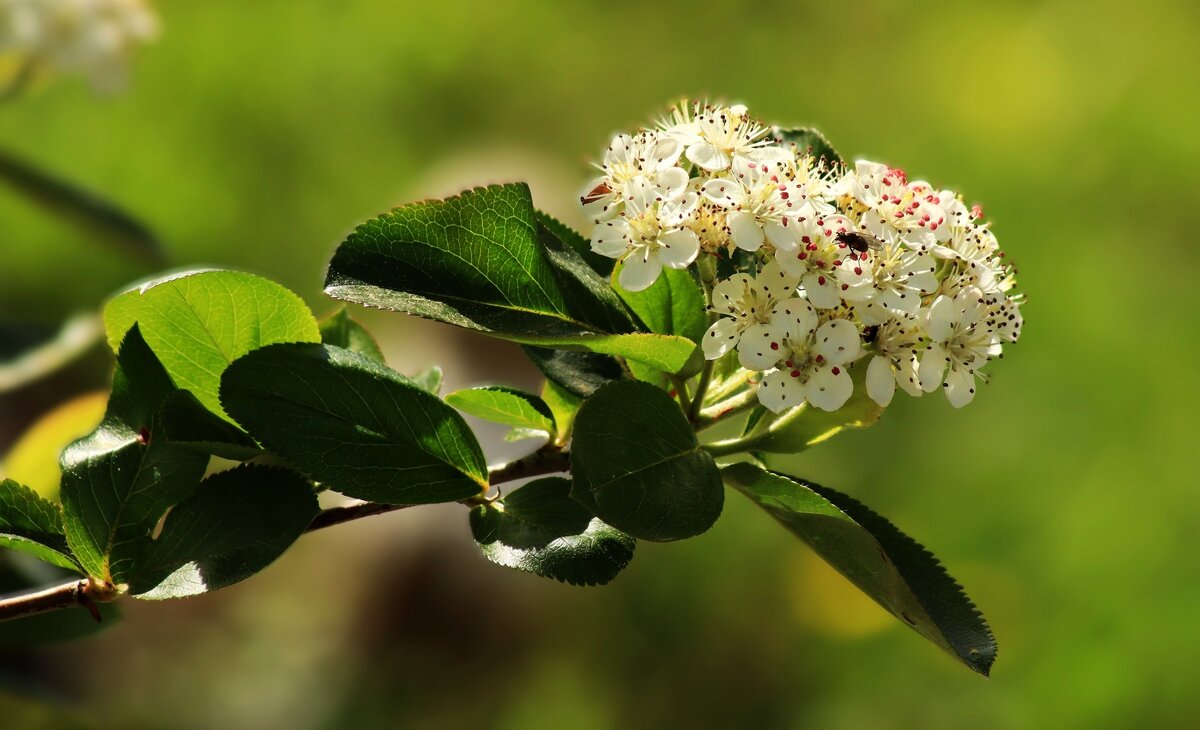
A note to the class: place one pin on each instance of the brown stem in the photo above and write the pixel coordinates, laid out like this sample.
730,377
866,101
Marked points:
75,593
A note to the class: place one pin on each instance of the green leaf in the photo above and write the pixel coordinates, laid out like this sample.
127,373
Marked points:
637,465
509,406
883,562
429,380
602,265
812,141
98,219
564,405
32,525
119,480
184,420
522,434
234,525
672,305
341,330
580,373
199,322
539,529
354,425
481,260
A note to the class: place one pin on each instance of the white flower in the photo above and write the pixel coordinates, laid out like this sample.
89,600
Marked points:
961,343
891,281
716,135
744,303
822,262
810,360
648,235
93,37
896,343
897,212
760,202
646,157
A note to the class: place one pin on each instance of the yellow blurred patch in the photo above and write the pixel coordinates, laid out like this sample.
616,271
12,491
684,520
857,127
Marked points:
33,459
828,603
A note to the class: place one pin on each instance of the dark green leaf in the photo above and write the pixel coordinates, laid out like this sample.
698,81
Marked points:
184,420
482,261
234,525
119,480
341,330
354,425
199,322
32,525
602,265
98,219
580,373
883,562
812,141
429,380
637,464
539,529
509,406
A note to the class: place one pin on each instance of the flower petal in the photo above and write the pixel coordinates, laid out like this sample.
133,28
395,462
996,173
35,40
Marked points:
608,239
720,338
837,341
881,382
960,386
775,283
779,391
707,156
723,192
728,293
747,234
829,387
933,366
943,314
761,347
678,248
640,271
822,290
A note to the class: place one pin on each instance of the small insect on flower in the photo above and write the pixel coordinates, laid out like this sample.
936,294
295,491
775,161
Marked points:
599,192
859,242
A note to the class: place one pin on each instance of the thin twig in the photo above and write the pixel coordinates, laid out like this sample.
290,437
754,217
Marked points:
56,598
701,389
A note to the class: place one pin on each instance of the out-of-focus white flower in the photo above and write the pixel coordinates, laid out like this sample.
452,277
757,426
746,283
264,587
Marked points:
92,37
649,235
647,157
960,343
745,303
896,344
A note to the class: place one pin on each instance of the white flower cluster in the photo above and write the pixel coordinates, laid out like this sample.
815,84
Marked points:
91,37
827,268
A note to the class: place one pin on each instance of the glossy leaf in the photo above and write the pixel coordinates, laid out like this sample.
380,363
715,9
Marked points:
119,480
580,373
887,565
539,529
184,420
31,525
234,525
98,219
509,406
199,322
600,264
672,305
812,141
354,425
341,330
481,260
637,465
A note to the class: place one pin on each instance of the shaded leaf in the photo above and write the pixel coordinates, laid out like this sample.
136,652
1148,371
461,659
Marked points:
184,420
341,330
672,305
509,406
602,265
198,322
430,380
539,529
235,524
31,525
354,425
580,373
637,465
119,480
883,562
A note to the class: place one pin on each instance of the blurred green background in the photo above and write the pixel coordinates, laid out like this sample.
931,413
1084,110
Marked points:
256,134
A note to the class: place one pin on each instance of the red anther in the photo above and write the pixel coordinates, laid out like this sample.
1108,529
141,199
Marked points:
144,435
774,345
836,371
795,373
821,280
820,358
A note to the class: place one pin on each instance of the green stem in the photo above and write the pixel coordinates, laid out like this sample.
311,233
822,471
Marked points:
701,390
755,437
720,411
681,391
